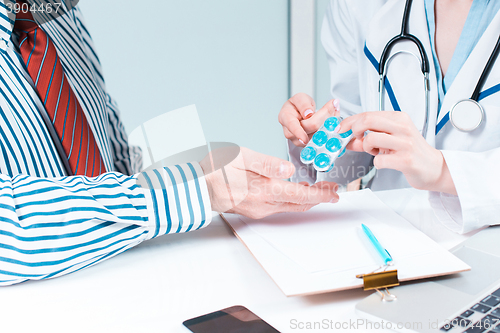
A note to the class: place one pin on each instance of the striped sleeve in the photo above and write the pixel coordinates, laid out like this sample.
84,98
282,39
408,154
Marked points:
177,198
52,227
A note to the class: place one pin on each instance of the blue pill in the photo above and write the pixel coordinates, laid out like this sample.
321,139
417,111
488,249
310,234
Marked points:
322,160
320,138
346,134
308,154
342,153
333,145
331,167
332,123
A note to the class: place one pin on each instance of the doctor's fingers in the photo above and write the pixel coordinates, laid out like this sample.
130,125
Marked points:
304,104
288,192
330,109
392,122
369,121
391,161
374,143
292,129
290,136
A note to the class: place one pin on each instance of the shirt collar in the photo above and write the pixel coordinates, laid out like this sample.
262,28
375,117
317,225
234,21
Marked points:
7,18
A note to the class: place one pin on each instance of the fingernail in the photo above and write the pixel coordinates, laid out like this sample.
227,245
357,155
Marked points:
308,114
284,170
301,141
336,104
334,200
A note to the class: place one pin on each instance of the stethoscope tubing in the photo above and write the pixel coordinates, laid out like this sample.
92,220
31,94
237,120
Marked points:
486,71
404,35
424,64
388,47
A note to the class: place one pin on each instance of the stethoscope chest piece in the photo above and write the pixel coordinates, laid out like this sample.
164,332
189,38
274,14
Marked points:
466,115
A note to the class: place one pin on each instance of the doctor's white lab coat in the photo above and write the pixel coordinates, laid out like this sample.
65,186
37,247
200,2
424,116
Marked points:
354,34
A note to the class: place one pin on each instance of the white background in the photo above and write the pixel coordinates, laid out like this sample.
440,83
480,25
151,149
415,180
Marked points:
228,57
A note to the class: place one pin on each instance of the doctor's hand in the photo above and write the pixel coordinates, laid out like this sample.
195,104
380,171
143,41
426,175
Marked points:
252,185
300,120
397,144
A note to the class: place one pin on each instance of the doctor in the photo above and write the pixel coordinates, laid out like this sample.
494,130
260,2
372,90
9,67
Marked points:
414,139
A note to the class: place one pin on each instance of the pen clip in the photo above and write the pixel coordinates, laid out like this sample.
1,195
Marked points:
389,262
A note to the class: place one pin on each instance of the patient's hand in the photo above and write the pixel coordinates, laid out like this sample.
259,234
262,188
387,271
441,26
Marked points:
253,185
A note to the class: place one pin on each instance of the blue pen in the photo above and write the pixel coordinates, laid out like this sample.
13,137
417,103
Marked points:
383,252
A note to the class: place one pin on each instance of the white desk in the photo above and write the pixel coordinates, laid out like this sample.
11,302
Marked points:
159,284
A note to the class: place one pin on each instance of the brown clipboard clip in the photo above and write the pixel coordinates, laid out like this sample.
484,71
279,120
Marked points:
381,280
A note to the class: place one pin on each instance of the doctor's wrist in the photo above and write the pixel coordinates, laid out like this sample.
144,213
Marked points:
444,182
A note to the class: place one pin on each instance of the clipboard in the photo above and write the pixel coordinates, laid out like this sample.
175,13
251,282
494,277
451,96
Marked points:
293,248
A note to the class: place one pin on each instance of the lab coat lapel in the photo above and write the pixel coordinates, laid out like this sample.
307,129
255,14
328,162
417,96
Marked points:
466,80
404,73
382,29
420,29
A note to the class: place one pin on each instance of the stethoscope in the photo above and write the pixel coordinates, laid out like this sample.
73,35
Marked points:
467,114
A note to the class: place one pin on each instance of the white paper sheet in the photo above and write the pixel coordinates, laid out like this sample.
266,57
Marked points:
331,238
324,249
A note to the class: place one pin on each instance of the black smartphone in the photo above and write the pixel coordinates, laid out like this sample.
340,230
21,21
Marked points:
236,319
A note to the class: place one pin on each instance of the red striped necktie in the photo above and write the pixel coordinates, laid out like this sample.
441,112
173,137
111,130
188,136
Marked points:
64,110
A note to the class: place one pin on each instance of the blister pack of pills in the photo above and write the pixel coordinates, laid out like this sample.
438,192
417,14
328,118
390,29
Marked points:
326,145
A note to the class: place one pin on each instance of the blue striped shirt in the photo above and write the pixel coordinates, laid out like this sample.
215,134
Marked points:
51,224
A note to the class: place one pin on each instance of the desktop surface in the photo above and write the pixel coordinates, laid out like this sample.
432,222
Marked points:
163,282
